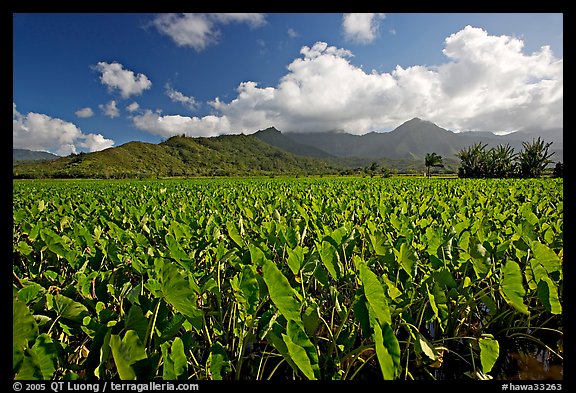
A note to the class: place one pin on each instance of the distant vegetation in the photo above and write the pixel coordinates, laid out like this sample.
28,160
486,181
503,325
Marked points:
269,152
502,162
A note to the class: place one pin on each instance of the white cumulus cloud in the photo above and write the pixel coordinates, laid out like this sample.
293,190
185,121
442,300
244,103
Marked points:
133,107
201,30
84,112
486,83
179,97
362,28
37,131
110,109
115,76
170,125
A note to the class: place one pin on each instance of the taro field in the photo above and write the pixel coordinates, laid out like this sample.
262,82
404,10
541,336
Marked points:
288,279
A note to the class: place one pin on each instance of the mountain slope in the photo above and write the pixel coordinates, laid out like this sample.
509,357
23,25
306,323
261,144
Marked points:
416,138
179,156
275,138
32,155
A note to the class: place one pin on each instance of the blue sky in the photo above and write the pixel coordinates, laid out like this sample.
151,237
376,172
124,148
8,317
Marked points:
88,81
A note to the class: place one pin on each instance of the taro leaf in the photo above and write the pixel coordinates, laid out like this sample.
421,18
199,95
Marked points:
379,243
480,258
361,314
175,362
424,346
24,328
246,289
464,240
329,256
171,327
548,295
176,251
40,361
274,335
301,350
374,292
66,308
100,371
30,292
234,234
218,360
178,292
126,352
489,350
311,319
545,257
295,259
407,258
512,288
257,256
434,240
135,320
444,277
290,237
24,248
281,293
387,350
438,302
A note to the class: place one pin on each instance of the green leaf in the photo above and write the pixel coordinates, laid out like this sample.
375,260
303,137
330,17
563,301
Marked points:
489,351
480,258
329,257
407,259
311,319
178,292
387,350
424,346
24,328
176,251
375,295
281,293
378,242
444,277
45,356
548,295
175,362
512,288
218,361
438,302
67,308
234,235
246,288
135,320
361,314
31,292
256,255
545,257
126,352
301,350
295,259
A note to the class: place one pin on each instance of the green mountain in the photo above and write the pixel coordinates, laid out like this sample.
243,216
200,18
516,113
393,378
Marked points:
271,152
19,155
226,155
275,138
415,138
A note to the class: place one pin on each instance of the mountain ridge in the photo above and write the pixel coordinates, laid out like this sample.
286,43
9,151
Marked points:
270,151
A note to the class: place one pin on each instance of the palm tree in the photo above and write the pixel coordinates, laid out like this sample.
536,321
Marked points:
501,161
534,159
473,161
432,160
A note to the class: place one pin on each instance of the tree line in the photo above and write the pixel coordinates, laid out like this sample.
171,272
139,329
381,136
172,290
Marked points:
500,162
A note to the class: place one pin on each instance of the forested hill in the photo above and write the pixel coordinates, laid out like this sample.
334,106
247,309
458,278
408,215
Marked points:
243,155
